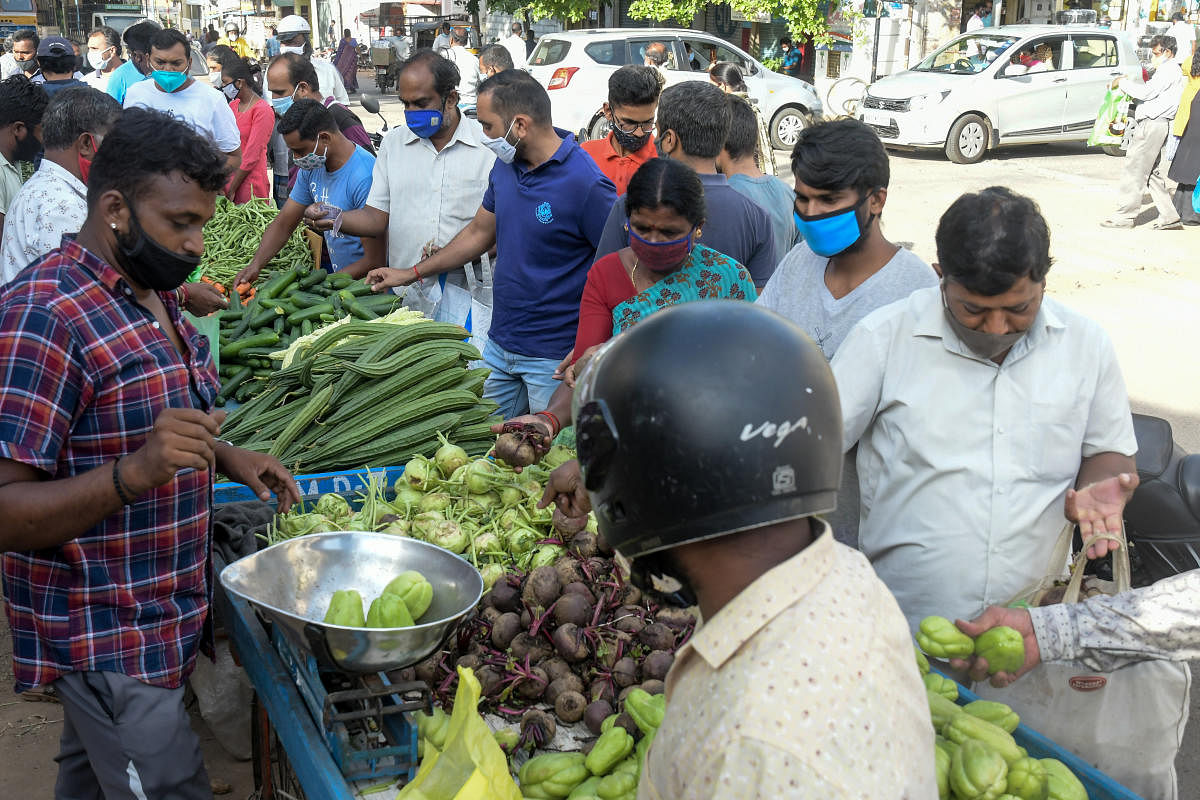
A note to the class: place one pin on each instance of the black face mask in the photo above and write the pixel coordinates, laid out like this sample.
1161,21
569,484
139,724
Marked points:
28,148
631,142
654,574
149,263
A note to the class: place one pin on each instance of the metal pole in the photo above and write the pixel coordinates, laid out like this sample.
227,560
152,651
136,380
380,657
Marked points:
875,48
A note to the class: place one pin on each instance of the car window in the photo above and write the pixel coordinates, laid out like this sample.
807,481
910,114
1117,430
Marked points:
1037,55
606,52
549,51
637,51
968,55
1094,51
705,52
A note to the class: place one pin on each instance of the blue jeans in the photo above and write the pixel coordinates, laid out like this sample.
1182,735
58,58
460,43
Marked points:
520,384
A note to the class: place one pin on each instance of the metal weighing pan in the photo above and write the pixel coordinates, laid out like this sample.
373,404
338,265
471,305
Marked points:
291,584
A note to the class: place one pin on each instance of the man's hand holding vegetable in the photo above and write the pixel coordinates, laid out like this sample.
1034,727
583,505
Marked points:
996,616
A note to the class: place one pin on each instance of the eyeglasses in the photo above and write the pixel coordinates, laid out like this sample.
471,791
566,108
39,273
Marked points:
644,127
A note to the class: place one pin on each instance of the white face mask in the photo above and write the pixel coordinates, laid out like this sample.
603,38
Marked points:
231,35
291,48
97,60
504,151
215,79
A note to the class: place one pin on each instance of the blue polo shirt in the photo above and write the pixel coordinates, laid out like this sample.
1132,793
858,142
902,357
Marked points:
548,223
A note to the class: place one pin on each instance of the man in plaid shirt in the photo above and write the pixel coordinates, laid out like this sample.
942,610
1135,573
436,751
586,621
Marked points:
108,444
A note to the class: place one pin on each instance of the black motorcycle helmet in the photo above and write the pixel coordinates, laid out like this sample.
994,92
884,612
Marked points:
706,419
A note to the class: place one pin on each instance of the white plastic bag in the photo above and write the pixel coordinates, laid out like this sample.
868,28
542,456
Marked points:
1128,723
462,297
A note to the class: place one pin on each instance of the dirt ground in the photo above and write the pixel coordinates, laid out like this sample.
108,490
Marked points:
1142,285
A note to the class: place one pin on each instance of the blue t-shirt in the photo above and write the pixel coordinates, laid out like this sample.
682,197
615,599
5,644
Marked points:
548,223
347,188
121,79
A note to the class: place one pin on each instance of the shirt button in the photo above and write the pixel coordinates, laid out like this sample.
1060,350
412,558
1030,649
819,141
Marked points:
999,429
999,490
157,326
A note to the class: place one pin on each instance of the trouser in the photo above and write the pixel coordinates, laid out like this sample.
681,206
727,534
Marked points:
126,740
519,384
1145,165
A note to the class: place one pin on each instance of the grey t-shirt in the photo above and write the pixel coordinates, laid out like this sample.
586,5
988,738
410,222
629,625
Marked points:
797,290
736,226
777,200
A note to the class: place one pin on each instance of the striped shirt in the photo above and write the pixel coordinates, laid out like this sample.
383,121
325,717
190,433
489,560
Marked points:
84,372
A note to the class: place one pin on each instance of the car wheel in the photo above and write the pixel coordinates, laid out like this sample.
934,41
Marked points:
786,127
1113,150
968,140
599,127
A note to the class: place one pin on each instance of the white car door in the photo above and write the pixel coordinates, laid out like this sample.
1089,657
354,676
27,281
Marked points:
1031,91
1095,63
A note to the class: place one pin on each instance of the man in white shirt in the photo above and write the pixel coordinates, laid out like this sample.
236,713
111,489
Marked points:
514,43
441,42
430,175
1158,100
986,415
54,200
104,56
468,67
174,92
294,33
23,58
977,19
1184,34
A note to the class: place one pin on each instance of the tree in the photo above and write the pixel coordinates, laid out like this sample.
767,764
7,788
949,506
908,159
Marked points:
566,10
805,17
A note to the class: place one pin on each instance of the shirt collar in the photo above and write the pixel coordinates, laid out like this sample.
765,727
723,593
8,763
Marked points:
713,179
5,163
560,155
100,269
760,602
932,322
58,172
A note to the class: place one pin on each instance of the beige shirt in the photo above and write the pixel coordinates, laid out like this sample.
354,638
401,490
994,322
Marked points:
964,464
10,183
803,686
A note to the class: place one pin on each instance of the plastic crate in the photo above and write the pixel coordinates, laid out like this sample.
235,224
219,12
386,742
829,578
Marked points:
313,486
1099,786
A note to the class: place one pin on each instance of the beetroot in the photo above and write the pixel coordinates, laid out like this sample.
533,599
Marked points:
583,544
567,526
521,444
657,636
656,665
532,687
523,645
616,644
542,587
490,614
653,687
526,618
630,595
471,661
602,545
677,618
569,706
489,680
426,671
629,619
504,596
556,668
580,588
505,629
570,643
595,714
624,672
601,690
537,727
573,608
626,722
568,570
560,685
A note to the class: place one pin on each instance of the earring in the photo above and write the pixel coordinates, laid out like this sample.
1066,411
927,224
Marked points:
113,225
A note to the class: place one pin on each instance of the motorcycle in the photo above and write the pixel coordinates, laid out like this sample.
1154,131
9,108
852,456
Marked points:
372,107
1162,519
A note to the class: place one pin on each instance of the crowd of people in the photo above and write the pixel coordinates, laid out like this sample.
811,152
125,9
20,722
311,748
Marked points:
820,437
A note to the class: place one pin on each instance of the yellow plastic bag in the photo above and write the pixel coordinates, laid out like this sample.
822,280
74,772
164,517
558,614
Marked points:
471,766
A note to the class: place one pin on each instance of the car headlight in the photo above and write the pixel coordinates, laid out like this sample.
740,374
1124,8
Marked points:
923,101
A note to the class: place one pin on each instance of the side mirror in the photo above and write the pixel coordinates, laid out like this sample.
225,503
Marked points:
371,104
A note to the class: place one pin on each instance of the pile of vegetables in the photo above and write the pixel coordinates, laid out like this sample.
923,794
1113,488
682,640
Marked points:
476,508
976,756
365,393
565,642
402,601
233,234
292,304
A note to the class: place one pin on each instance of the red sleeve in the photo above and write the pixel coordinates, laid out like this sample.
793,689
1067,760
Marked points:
254,147
607,286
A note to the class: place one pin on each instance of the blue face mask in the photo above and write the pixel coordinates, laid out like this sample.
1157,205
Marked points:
168,80
282,104
832,233
424,122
